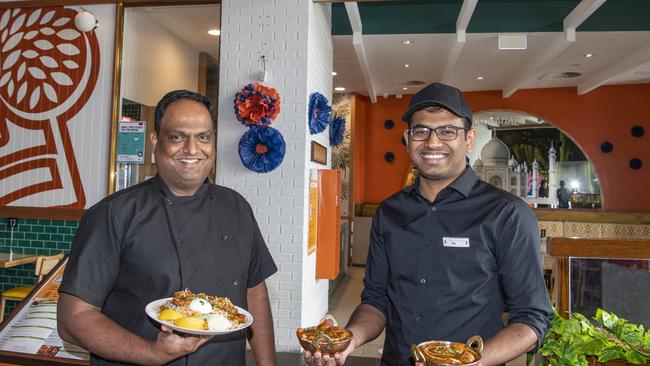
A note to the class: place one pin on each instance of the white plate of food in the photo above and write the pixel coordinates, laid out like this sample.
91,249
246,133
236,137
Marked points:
199,314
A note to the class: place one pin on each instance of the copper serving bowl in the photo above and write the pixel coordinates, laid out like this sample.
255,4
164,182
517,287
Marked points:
326,337
443,353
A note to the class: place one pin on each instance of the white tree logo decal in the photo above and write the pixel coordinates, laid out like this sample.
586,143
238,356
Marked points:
47,73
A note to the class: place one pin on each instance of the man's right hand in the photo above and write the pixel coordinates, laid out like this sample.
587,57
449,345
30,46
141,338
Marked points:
319,359
170,346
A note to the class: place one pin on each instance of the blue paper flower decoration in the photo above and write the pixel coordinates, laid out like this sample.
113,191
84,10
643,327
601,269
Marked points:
262,149
319,113
337,131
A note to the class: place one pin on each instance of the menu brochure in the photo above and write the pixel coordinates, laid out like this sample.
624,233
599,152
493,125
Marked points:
32,330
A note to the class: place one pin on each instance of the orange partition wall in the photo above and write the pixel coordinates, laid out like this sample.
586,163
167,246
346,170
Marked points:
328,248
605,114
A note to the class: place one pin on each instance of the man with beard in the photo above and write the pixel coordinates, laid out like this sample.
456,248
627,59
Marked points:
451,253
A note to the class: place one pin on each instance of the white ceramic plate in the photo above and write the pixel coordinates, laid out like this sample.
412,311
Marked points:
152,311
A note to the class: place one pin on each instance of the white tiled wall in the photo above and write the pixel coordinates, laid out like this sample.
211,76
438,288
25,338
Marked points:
294,36
319,79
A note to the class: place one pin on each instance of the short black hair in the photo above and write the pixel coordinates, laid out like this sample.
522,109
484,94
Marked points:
176,95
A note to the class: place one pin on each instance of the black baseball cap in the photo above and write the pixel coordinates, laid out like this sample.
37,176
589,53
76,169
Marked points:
438,94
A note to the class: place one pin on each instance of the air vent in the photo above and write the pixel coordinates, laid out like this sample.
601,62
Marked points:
409,82
570,74
413,82
553,75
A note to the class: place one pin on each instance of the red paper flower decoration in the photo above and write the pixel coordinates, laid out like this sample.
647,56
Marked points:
257,104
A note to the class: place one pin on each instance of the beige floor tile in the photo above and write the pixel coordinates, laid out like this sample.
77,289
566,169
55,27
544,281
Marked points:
372,350
359,351
345,299
519,361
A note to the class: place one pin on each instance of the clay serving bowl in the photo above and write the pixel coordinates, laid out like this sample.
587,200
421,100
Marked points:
443,353
326,337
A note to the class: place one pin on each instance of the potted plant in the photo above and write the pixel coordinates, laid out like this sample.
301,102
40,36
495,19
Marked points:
610,341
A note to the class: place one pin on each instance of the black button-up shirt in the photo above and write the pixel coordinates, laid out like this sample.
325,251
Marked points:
144,243
448,270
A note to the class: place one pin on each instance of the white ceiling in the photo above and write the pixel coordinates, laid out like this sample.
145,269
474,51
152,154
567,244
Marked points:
618,58
189,22
427,56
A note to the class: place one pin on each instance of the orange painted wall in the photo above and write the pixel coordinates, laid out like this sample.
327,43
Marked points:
359,105
605,114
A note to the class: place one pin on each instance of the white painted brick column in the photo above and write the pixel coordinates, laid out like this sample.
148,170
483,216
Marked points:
295,38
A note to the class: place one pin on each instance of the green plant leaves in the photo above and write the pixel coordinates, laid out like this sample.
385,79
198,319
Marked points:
570,341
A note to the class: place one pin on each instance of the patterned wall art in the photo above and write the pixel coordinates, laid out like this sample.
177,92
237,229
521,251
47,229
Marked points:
48,71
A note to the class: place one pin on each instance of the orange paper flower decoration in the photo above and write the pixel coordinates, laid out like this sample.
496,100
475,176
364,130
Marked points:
257,104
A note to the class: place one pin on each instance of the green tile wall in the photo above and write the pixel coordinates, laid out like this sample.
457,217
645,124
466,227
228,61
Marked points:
32,236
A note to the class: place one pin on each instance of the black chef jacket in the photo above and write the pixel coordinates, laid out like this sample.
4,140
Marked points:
448,270
144,243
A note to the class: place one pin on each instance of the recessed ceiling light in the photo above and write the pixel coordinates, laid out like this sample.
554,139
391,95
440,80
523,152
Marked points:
214,32
334,73
339,88
406,66
408,41
480,78
405,88
589,55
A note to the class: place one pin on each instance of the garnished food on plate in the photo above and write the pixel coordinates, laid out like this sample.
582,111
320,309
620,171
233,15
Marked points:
326,337
200,312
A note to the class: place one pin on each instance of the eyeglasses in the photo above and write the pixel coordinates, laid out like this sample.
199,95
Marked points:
444,133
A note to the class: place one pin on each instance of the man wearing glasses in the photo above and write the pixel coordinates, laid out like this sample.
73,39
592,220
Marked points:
451,253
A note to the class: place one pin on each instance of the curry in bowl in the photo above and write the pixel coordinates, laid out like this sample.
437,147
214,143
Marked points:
326,337
442,353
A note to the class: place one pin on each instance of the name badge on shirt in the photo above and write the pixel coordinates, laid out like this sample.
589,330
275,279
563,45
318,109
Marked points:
455,242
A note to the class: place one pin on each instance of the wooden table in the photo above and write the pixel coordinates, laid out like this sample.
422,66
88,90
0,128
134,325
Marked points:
7,261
